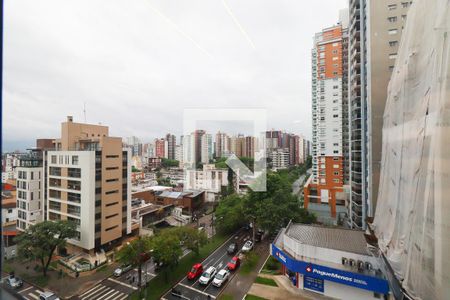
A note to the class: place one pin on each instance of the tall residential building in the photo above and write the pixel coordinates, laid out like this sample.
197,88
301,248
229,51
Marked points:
135,145
179,153
237,145
30,187
89,183
324,189
222,144
207,149
160,148
171,143
279,158
250,146
197,135
273,139
374,37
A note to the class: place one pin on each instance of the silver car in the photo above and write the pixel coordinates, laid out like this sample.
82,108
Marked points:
14,282
207,276
221,278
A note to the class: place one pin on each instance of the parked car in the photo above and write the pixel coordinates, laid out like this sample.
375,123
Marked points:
14,282
248,246
196,271
234,263
48,296
122,270
232,248
207,276
221,278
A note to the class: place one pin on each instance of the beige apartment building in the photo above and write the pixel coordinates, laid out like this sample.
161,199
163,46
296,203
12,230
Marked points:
89,183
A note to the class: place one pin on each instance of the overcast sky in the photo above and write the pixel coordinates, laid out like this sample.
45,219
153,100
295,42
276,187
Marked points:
137,64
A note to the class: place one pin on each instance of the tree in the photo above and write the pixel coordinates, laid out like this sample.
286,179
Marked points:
229,214
167,163
191,238
136,253
166,250
42,239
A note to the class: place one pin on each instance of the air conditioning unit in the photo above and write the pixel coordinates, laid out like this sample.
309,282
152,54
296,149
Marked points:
360,265
344,261
368,266
352,262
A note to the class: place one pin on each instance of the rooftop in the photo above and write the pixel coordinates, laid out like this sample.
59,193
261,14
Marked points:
329,237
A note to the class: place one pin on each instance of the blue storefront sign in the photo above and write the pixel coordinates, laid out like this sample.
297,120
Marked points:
361,281
312,283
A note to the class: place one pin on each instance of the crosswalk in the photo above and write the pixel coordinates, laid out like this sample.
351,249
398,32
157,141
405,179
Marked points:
30,293
103,292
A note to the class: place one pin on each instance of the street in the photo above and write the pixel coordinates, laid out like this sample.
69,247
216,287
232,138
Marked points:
193,290
27,291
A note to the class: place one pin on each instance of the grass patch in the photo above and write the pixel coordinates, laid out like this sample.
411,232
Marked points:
226,297
249,264
266,281
272,266
103,268
158,285
38,280
253,297
7,268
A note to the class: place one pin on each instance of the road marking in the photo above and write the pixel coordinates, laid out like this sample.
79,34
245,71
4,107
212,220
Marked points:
123,298
119,295
110,294
191,288
33,296
96,287
122,283
30,287
102,288
26,298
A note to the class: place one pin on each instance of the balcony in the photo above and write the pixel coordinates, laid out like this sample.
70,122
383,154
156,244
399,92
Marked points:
74,172
55,194
55,171
73,197
74,185
73,210
54,182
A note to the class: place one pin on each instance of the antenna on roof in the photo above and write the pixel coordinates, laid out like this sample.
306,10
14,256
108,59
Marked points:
84,112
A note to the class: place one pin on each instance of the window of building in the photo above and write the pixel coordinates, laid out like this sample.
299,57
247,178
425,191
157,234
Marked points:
335,52
112,168
392,19
393,43
335,44
335,158
75,160
392,6
112,192
392,31
336,180
335,166
61,159
111,216
335,116
31,175
391,68
335,87
335,151
393,56
111,228
335,173
53,159
403,17
335,58
66,159
112,180
322,55
405,4
335,101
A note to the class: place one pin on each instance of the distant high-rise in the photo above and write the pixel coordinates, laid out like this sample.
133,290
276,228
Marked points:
206,148
324,190
160,148
171,143
222,143
374,36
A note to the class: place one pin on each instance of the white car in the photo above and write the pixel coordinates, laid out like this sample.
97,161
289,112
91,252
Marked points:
247,246
221,277
207,276
48,296
122,270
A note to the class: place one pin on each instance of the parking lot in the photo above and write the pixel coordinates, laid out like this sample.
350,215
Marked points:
193,290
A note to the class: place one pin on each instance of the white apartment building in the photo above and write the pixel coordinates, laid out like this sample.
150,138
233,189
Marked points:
210,179
280,158
29,190
207,148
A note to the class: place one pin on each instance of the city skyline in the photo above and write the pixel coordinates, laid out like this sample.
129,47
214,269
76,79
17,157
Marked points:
101,68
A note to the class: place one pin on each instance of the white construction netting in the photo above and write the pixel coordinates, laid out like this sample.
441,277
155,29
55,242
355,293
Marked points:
412,219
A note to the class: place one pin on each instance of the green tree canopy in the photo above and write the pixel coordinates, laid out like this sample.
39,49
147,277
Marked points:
168,163
42,239
229,214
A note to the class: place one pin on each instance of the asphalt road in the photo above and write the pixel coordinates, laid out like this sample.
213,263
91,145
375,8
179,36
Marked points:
193,290
26,291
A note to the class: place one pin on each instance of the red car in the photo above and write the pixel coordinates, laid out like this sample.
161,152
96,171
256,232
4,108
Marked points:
195,272
234,263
